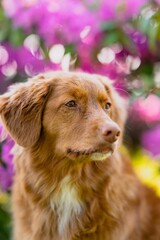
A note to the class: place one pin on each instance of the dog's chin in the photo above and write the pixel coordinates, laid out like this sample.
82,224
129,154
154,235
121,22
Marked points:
99,156
91,155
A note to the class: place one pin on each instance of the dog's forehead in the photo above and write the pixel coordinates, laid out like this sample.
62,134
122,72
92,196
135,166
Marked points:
83,84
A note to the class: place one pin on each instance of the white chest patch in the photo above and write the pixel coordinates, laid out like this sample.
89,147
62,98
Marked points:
67,205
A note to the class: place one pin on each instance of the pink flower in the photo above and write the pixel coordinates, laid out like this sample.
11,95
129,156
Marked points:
148,109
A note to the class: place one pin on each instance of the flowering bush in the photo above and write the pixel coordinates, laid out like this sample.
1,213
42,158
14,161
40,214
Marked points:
114,39
119,39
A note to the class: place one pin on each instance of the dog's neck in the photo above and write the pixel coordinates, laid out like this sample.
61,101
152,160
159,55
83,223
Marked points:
73,188
76,194
75,191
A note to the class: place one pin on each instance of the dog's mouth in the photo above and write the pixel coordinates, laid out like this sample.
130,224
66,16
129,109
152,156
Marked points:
94,155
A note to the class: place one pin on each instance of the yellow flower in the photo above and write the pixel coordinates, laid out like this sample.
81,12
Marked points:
3,197
147,170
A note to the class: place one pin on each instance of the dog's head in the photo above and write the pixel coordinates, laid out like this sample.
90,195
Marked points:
79,115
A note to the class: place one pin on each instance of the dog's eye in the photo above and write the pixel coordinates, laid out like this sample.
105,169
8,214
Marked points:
107,105
71,104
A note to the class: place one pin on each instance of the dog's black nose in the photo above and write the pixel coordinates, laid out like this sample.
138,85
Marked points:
111,133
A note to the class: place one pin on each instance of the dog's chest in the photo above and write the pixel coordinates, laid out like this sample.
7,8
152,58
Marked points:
67,205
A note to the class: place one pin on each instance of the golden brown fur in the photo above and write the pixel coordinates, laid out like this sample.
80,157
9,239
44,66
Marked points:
63,190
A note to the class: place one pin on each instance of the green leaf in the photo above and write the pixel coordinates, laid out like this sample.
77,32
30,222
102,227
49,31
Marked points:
108,26
3,34
111,38
152,34
143,25
148,81
5,224
17,37
69,48
126,41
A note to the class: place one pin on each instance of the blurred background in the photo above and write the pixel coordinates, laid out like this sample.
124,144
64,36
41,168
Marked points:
119,39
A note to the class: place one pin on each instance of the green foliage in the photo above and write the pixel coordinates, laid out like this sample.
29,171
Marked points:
5,218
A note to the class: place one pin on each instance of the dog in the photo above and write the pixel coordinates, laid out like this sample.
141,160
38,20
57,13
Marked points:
71,181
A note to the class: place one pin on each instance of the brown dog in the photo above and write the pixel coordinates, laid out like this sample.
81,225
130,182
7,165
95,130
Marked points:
70,182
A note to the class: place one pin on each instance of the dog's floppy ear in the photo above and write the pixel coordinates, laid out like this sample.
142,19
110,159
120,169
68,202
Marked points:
21,110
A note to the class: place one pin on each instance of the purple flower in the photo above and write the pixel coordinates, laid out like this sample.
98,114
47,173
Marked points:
151,140
66,21
6,165
120,9
61,21
22,60
6,169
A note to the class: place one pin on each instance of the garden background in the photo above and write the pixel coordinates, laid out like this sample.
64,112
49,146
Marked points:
119,39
